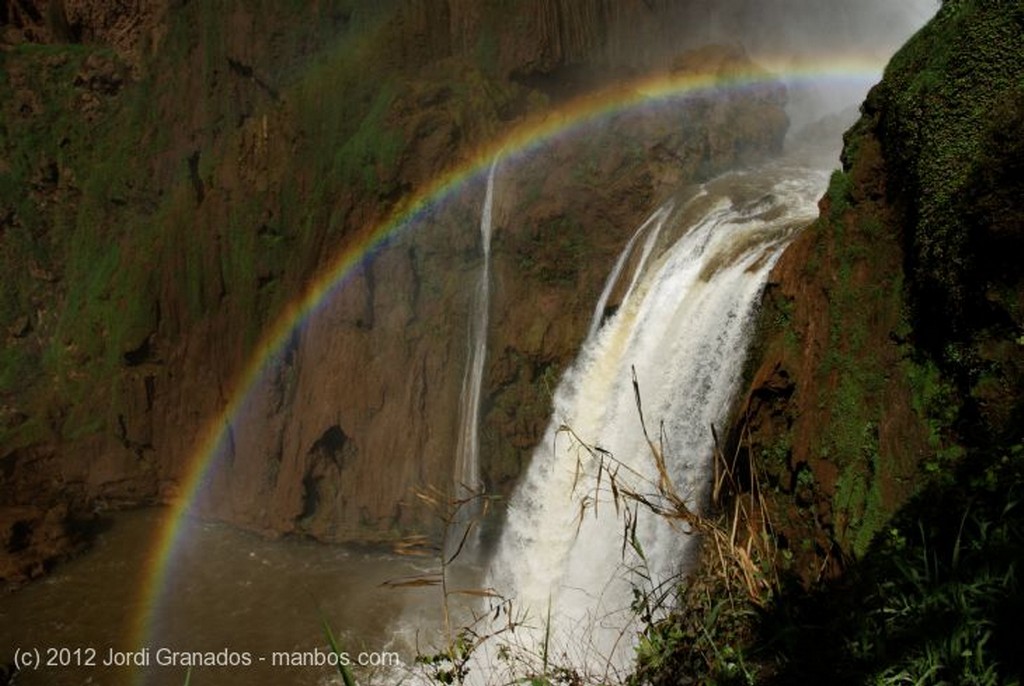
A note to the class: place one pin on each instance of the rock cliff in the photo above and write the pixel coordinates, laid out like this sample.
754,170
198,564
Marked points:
174,174
890,349
365,410
879,445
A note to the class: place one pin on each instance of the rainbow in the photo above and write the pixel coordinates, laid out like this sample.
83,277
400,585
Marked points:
568,119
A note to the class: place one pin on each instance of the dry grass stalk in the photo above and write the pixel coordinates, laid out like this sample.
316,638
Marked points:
743,545
451,664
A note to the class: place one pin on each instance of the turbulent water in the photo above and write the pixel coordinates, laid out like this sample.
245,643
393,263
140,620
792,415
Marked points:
683,327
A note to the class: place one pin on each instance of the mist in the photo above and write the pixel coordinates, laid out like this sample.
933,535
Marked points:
828,53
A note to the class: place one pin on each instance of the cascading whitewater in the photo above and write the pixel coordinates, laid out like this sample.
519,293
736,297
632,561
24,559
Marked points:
683,326
658,220
467,456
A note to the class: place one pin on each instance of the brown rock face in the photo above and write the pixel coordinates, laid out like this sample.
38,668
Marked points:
830,416
128,27
361,410
199,191
540,37
33,539
890,351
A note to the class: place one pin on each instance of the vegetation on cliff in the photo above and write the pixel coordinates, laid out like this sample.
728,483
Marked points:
117,239
884,417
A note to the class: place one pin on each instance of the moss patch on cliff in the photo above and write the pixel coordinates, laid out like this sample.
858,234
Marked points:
951,121
893,328
68,177
830,421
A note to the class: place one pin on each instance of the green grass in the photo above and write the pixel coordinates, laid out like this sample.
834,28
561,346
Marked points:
343,669
839,194
934,601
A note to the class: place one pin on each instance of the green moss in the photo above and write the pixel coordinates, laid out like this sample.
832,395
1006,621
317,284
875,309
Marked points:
15,368
775,457
863,294
373,148
939,95
839,194
486,52
33,431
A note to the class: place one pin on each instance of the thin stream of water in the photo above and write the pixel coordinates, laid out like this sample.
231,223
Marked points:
467,456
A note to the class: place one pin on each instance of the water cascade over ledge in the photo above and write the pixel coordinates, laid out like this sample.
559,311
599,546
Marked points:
683,325
657,220
467,456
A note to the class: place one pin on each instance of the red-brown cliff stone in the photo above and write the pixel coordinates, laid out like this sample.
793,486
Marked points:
244,198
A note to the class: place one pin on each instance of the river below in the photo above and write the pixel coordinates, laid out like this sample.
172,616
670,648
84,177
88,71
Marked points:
249,601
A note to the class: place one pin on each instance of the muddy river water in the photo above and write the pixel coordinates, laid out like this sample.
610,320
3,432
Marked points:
245,609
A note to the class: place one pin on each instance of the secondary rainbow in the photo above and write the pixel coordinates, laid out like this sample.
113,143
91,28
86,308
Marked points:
568,119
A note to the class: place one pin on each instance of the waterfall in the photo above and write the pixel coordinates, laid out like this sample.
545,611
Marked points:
683,325
467,455
658,219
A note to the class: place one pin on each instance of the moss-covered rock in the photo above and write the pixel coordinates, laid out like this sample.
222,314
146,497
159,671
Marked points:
883,417
889,344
